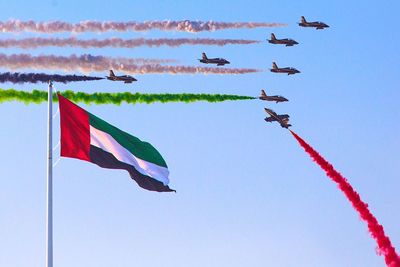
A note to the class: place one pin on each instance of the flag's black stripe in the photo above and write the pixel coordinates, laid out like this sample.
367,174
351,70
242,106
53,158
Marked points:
107,160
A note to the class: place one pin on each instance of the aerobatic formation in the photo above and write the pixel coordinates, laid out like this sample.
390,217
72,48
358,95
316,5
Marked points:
283,119
123,66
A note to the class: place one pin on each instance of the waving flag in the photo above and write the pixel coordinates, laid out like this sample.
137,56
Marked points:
87,137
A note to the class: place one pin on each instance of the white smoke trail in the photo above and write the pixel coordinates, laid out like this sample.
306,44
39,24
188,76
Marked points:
117,42
88,63
98,26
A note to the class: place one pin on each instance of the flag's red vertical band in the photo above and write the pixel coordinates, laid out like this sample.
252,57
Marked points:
75,131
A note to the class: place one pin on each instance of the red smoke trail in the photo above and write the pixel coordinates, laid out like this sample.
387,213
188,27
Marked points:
105,26
37,42
376,230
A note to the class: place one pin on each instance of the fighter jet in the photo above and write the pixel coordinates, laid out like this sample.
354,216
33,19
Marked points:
122,78
282,119
316,24
283,70
286,41
218,61
276,98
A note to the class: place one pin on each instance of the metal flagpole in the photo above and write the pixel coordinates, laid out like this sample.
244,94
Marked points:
49,211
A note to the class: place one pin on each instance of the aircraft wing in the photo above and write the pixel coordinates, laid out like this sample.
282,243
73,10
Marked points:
270,112
270,119
275,116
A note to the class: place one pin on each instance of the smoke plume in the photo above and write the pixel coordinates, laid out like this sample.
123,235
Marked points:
29,43
17,77
98,26
88,63
37,97
376,230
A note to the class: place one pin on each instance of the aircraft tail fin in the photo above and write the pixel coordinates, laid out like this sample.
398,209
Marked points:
263,94
303,19
273,36
112,73
274,66
204,56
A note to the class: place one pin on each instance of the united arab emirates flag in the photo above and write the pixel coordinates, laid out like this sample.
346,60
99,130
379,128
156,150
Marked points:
87,137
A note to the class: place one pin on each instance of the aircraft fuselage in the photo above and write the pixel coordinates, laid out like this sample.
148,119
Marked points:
218,61
275,98
287,42
125,78
289,71
316,24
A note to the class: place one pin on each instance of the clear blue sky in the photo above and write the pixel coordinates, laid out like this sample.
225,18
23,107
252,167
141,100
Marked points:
247,194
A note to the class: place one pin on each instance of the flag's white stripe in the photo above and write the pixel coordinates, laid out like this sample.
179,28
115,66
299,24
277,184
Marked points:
107,143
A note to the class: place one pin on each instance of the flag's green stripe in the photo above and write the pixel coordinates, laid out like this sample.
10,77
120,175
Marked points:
38,97
140,149
107,160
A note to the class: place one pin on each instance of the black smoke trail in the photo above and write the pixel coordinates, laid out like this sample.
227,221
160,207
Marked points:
37,97
17,77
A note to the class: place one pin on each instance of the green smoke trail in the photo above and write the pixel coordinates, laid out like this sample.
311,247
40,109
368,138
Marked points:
37,97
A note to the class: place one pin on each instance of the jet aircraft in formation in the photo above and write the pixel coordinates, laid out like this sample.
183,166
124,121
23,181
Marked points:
287,70
276,98
285,41
122,78
315,24
282,119
219,61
